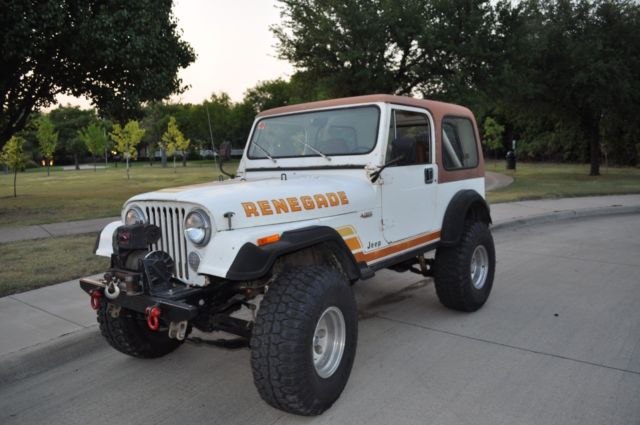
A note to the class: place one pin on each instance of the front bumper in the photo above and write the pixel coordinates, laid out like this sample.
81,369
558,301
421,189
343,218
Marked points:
172,305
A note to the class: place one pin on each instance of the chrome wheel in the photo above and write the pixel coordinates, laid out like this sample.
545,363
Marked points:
479,266
328,342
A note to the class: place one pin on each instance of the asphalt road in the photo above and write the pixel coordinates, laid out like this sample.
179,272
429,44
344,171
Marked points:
557,343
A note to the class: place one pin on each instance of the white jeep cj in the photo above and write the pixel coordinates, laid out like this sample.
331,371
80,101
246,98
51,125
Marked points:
325,194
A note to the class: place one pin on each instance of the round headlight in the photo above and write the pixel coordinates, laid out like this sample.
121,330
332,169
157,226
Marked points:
197,227
134,215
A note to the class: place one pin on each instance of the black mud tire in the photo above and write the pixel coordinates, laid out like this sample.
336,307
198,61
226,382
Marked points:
281,344
129,334
452,274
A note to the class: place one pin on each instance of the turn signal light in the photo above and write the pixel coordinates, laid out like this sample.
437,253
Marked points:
268,239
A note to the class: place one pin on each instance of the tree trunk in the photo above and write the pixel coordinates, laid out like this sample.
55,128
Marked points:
48,168
128,177
174,162
95,167
75,159
164,158
591,128
15,177
595,158
184,159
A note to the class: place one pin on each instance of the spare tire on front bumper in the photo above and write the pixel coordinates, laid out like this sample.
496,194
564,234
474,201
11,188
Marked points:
127,331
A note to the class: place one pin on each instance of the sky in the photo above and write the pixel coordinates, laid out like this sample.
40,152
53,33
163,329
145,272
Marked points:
234,47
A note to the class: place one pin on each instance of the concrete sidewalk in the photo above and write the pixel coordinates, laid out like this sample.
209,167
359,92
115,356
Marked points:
21,233
41,316
493,181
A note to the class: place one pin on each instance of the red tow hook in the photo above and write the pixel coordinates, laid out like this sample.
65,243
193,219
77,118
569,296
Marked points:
153,313
95,299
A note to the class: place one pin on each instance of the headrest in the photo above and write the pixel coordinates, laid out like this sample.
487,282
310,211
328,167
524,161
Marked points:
405,147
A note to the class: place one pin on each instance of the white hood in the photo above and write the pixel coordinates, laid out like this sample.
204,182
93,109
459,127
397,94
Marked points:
272,201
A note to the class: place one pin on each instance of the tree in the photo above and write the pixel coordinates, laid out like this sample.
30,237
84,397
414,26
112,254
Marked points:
155,123
571,67
13,156
546,69
116,53
126,139
174,141
352,48
47,140
269,94
493,134
95,139
68,120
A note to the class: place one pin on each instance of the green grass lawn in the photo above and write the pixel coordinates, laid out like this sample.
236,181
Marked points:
84,194
544,180
32,264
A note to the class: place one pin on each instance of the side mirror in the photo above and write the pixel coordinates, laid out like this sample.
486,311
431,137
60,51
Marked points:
224,151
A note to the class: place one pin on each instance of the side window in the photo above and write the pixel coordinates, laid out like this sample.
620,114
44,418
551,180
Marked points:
459,147
409,138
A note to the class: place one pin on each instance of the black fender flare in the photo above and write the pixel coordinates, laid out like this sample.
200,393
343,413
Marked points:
254,262
465,203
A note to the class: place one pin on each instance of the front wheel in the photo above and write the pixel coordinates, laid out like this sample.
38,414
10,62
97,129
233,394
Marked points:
464,273
304,340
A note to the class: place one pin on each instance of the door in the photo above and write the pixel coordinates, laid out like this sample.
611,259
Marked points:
409,181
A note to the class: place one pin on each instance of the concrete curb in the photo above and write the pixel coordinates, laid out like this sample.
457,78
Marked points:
565,215
42,357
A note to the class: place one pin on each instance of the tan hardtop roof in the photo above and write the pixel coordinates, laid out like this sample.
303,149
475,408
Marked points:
435,107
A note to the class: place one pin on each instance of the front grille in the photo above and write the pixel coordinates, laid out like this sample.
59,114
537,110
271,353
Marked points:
170,220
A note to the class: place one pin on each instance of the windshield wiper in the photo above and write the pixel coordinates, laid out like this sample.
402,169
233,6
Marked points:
376,175
266,152
315,150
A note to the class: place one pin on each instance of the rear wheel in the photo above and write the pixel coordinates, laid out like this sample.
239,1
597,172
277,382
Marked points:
127,332
304,340
464,273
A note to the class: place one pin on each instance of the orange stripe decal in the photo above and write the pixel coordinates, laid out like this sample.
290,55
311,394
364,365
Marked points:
346,231
353,244
398,247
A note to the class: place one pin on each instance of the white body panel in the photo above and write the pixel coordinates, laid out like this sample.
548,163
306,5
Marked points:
408,203
105,244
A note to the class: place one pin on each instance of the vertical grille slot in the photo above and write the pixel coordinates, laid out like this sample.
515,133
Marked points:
172,239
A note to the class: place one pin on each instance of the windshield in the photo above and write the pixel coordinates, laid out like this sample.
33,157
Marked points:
346,131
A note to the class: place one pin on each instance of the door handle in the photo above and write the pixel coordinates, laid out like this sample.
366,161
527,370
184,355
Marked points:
428,175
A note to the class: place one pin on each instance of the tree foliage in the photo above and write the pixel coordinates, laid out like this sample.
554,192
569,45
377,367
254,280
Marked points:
13,156
68,120
117,53
175,141
126,140
269,94
95,139
493,132
47,139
